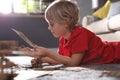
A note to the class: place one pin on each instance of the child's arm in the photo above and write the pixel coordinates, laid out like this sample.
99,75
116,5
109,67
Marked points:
74,60
48,60
54,58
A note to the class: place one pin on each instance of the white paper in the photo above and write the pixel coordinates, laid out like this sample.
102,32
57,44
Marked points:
19,33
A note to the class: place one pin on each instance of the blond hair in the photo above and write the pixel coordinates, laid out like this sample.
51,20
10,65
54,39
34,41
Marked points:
63,12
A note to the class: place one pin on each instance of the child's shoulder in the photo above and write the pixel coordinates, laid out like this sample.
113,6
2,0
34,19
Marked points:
80,28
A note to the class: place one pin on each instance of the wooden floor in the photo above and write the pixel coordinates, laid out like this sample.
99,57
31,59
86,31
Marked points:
60,72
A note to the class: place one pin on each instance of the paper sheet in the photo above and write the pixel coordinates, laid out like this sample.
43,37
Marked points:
22,35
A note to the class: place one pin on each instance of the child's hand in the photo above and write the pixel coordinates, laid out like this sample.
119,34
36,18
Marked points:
38,51
29,52
41,50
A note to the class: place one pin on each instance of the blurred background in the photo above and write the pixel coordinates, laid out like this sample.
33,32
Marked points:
27,16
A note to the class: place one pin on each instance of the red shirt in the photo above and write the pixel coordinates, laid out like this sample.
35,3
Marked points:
96,51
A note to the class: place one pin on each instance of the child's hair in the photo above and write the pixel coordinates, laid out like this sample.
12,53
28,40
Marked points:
63,12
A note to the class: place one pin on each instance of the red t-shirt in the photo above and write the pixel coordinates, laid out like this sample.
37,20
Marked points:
96,51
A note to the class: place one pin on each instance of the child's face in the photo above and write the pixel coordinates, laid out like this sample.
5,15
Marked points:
57,29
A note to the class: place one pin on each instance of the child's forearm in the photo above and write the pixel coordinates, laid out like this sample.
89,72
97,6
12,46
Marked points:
59,59
74,60
49,60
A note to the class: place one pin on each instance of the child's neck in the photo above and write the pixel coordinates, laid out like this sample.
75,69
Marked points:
67,36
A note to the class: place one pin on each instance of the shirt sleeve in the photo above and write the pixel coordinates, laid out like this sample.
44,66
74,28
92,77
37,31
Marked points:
80,42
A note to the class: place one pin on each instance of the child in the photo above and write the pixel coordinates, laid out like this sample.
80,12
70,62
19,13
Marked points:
77,45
